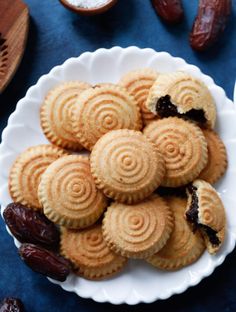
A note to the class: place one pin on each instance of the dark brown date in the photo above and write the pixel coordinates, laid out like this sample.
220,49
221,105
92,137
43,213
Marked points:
209,23
30,226
11,305
171,11
45,262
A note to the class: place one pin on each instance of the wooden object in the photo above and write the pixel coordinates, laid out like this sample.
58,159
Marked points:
91,11
14,24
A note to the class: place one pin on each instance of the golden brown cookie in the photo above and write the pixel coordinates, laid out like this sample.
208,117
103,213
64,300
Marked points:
68,193
102,109
126,166
27,170
205,211
140,230
56,113
138,83
179,94
183,147
88,252
217,158
183,247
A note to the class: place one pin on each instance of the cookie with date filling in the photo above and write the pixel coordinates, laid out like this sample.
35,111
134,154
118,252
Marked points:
89,253
183,147
181,95
138,83
183,247
206,213
140,230
217,158
55,114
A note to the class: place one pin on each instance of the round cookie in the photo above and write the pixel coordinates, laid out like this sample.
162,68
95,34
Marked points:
56,111
126,166
205,211
89,254
68,193
102,109
26,173
217,158
183,247
140,230
183,147
138,83
179,94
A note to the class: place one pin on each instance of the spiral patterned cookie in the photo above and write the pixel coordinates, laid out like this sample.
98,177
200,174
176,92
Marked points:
56,114
89,253
183,147
102,109
179,94
26,173
138,83
183,247
140,230
206,212
217,158
126,166
68,193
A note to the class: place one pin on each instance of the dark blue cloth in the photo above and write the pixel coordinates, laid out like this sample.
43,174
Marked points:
57,34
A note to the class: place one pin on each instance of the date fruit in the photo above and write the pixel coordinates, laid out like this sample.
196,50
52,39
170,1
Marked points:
209,23
171,11
45,262
11,305
30,226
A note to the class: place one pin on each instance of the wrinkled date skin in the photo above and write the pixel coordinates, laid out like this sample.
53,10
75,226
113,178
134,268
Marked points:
30,226
209,23
45,262
171,11
11,305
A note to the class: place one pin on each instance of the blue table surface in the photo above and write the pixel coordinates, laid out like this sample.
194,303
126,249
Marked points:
57,34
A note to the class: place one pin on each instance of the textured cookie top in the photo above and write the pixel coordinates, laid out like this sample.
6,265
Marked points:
27,170
138,83
139,230
68,193
183,147
178,93
89,253
217,158
56,114
102,109
183,247
126,166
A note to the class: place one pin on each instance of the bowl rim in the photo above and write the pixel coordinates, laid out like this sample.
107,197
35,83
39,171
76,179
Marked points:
89,11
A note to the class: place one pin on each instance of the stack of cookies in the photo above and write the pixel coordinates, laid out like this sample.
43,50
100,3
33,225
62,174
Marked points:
143,189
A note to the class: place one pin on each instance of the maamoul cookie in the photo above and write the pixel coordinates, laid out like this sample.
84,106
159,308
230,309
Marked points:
56,113
217,158
183,147
140,230
102,109
126,166
68,193
183,247
179,94
26,173
205,211
138,83
89,254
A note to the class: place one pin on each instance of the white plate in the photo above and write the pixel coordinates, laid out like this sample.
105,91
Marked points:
139,282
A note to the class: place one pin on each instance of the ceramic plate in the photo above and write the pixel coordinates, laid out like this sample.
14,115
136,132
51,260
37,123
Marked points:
139,282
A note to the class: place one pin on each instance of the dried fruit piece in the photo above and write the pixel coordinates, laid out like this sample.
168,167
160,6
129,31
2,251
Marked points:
30,226
170,11
209,23
11,305
45,262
